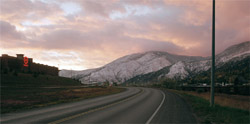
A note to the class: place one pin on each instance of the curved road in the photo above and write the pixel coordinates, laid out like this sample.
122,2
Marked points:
135,105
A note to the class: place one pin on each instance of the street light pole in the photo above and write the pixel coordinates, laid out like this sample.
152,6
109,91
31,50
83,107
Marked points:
213,58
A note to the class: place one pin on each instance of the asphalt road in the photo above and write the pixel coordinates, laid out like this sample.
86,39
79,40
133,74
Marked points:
135,105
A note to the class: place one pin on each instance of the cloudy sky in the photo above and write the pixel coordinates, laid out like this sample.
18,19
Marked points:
82,34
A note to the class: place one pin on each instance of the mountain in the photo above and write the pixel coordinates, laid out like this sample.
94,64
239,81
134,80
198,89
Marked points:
129,66
234,55
239,50
71,73
156,65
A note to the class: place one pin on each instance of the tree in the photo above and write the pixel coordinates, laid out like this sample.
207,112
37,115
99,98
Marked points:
169,83
115,84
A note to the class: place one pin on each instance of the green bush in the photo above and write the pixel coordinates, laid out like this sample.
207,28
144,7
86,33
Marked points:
115,84
169,83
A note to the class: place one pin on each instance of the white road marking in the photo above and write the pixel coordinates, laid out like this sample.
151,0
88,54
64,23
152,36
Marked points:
97,109
152,116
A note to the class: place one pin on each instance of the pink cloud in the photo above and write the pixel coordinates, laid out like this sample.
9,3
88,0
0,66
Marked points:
176,26
9,35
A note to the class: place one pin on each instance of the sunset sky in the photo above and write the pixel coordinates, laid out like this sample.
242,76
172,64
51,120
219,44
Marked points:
83,34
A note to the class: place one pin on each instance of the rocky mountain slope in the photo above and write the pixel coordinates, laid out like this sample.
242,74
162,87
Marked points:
161,63
182,70
128,67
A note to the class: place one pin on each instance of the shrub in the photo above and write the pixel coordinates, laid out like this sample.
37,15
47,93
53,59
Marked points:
169,83
115,84
200,90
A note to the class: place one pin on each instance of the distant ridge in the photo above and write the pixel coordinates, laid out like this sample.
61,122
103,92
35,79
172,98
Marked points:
175,66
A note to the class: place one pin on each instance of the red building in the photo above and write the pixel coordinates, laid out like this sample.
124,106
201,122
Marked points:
10,63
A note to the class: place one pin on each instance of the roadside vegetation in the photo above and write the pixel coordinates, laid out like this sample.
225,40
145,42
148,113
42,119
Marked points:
230,107
14,79
234,101
227,109
25,91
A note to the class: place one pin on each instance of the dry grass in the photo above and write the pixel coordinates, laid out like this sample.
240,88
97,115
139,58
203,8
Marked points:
26,91
234,101
15,99
229,109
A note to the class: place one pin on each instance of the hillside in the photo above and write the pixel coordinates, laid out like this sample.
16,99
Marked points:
227,73
31,80
233,72
130,66
163,64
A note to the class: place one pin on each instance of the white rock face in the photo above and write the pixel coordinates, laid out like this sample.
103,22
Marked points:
177,71
198,66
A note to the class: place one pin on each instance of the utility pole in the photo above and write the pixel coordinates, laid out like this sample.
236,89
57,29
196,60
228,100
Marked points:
213,58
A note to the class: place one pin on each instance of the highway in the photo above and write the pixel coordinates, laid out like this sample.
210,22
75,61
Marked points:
135,105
